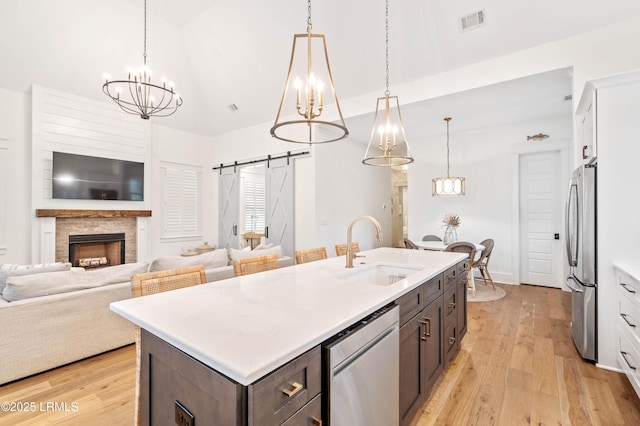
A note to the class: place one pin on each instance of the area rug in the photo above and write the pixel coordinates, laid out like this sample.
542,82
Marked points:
485,293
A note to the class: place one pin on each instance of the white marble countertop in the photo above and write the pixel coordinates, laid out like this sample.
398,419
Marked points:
246,327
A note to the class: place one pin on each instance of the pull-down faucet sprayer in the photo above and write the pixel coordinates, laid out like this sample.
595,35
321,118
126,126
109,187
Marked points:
350,254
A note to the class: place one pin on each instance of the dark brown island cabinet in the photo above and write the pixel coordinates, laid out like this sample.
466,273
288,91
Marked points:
178,389
433,320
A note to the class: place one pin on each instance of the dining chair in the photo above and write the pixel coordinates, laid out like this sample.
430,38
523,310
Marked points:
410,245
470,249
341,249
159,282
252,265
431,237
483,261
311,255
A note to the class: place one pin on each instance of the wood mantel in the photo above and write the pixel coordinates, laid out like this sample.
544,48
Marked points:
66,213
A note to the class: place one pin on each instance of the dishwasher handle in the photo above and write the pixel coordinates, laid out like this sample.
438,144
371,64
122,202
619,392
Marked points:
360,352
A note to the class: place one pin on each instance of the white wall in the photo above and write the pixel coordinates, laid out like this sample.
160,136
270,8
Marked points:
187,149
345,189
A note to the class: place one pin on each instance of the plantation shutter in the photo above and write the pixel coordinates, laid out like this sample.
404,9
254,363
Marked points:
181,202
253,203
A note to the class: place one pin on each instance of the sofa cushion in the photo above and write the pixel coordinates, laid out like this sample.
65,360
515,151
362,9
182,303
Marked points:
118,273
212,259
46,283
245,254
35,285
10,270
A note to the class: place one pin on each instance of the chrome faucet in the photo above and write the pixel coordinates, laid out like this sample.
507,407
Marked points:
350,254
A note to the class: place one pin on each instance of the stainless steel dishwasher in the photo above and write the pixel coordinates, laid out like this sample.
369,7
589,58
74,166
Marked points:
361,372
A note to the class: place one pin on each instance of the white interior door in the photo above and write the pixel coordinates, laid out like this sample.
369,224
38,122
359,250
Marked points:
540,219
229,202
279,204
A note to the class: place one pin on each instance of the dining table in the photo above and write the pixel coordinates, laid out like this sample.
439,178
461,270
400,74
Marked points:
441,246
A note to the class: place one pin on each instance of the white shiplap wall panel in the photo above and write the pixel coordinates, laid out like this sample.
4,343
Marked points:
69,123
4,200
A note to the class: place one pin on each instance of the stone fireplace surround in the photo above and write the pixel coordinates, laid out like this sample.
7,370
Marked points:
62,223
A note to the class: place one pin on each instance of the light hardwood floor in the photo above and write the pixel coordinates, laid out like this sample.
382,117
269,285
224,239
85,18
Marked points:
517,365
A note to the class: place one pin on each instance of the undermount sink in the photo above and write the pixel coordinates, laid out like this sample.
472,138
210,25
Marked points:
379,273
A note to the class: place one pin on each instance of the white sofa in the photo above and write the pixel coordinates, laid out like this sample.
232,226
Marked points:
56,314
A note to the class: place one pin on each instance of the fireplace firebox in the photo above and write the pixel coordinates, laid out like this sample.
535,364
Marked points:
96,250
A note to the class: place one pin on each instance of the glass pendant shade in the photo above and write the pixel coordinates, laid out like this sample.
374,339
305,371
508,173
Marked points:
309,110
388,145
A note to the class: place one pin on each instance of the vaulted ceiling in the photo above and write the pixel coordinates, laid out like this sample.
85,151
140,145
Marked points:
223,52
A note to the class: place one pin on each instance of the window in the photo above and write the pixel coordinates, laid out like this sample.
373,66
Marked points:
253,199
181,193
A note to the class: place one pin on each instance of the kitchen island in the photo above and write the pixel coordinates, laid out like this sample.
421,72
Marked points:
247,327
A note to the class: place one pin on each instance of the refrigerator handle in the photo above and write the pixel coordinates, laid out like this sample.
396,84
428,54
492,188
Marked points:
571,284
573,185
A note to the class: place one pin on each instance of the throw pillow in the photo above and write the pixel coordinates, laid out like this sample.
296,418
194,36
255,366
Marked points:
11,270
210,260
243,254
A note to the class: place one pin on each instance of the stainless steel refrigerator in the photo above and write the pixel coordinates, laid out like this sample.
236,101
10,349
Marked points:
582,256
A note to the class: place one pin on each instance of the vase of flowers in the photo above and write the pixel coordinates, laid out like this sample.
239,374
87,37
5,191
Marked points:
451,222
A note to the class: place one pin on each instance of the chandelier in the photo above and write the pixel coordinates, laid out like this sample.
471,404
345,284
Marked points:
444,186
304,115
388,145
138,95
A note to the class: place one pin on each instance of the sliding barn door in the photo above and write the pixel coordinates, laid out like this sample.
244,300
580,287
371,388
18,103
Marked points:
229,202
279,204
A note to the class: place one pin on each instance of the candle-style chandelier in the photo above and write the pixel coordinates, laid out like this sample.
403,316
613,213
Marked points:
304,114
138,95
443,186
388,145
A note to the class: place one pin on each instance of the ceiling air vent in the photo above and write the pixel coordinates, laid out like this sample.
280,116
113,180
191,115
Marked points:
472,20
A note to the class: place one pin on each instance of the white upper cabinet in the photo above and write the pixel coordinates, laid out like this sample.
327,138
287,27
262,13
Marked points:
586,114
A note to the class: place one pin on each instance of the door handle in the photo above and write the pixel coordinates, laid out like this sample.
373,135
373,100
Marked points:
266,232
235,230
572,262
427,328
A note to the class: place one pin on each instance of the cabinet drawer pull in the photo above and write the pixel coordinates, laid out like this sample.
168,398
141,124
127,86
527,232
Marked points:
452,305
624,317
624,355
627,287
297,387
316,422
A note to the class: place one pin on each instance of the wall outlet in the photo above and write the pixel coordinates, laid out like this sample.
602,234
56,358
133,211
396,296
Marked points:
183,416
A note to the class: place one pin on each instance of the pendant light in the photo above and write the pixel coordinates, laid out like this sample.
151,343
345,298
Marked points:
444,186
138,95
388,145
304,115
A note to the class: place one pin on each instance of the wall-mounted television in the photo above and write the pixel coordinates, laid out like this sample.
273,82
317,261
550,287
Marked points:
81,177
